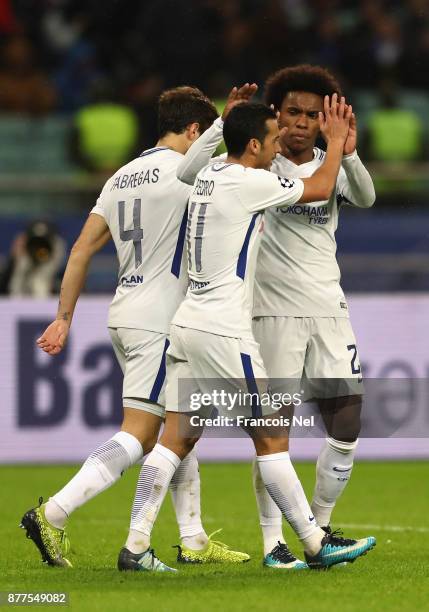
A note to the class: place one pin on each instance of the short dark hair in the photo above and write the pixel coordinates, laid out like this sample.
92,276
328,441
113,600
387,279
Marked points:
312,79
179,107
244,122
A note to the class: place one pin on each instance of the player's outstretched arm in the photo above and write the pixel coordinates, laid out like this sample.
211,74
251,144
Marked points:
94,235
334,125
355,184
201,151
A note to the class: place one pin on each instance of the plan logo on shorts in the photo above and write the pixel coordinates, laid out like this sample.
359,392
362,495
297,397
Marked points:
131,281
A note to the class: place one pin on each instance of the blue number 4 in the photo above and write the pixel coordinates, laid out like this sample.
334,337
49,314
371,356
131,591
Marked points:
135,234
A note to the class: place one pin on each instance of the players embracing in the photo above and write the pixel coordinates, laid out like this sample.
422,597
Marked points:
301,319
212,343
300,322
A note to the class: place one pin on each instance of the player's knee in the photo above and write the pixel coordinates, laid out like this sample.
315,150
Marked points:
148,442
269,446
180,446
345,425
189,443
143,425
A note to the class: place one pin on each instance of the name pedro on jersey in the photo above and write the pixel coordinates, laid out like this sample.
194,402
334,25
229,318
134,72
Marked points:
243,421
203,187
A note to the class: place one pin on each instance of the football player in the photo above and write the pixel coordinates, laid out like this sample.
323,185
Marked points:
212,343
143,208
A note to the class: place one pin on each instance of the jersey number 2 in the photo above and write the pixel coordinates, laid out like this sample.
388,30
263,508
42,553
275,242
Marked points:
355,367
135,234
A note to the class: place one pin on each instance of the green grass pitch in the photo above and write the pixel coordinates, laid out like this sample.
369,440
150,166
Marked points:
388,500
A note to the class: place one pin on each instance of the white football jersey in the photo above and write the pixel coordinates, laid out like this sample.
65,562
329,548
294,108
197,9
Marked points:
145,205
222,238
297,273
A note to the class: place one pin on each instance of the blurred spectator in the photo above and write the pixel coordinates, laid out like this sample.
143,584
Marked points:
329,41
76,76
24,88
63,23
8,21
35,261
416,61
394,133
143,98
387,45
201,41
105,134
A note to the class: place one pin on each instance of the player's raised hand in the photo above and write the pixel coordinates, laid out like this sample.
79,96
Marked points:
54,337
239,95
335,120
350,144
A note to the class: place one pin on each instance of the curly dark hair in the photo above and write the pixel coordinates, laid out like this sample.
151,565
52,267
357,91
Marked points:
312,79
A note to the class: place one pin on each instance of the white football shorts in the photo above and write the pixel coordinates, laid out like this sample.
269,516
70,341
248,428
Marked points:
141,355
317,355
203,363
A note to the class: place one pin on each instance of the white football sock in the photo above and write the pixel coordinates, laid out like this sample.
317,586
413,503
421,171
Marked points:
283,485
54,514
152,485
185,493
334,466
102,468
270,516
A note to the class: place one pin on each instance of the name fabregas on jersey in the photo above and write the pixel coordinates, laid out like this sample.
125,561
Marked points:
131,181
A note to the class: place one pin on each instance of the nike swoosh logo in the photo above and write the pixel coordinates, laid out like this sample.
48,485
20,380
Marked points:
311,518
340,470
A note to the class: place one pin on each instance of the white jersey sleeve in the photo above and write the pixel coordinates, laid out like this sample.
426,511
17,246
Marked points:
98,210
200,153
263,189
354,185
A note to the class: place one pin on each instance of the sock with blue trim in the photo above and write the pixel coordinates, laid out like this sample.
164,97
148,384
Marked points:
152,486
270,516
334,467
284,487
185,493
103,467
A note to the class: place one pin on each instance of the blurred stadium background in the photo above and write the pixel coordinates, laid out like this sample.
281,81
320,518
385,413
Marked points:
79,80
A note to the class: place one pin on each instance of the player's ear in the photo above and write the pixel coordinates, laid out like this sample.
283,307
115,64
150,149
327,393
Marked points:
193,131
254,146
